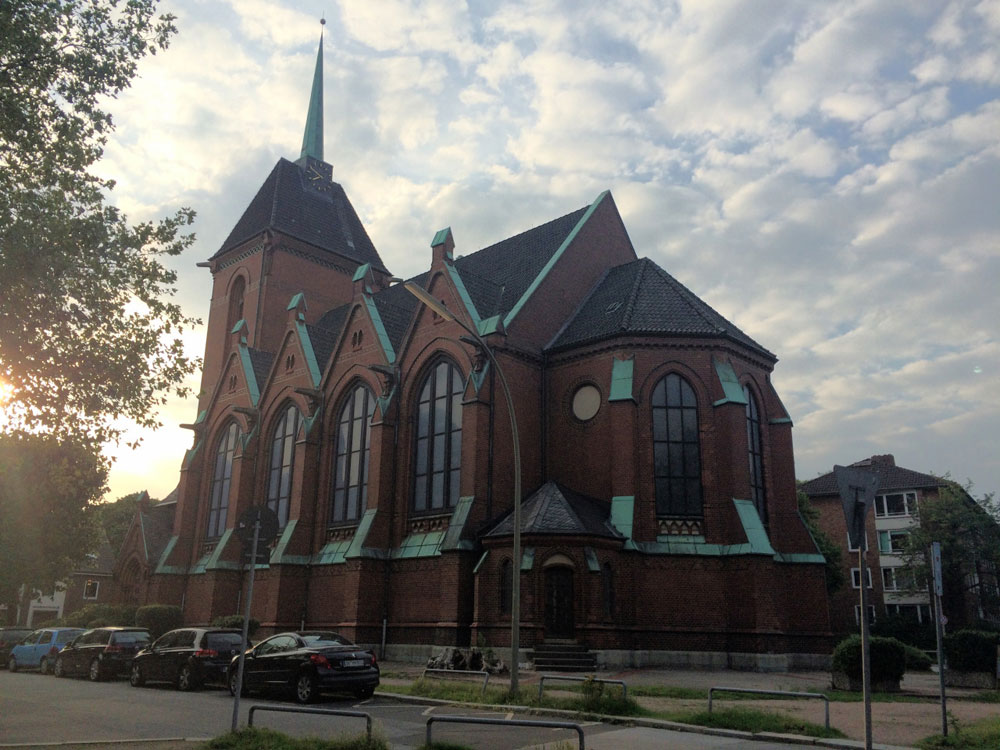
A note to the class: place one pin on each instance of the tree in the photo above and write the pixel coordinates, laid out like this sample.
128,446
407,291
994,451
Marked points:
47,485
829,550
115,518
968,530
88,336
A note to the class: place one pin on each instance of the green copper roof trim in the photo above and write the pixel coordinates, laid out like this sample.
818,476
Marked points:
463,294
361,534
142,535
809,532
554,259
681,538
286,536
757,537
213,560
478,378
527,558
456,525
800,558
621,379
780,420
622,511
202,415
593,564
362,271
383,337
440,237
312,137
297,299
475,570
309,352
730,384
332,553
199,567
489,325
424,544
240,325
162,568
248,374
384,402
190,453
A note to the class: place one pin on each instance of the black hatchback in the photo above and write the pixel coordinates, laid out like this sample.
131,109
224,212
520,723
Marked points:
187,658
100,653
308,663
10,637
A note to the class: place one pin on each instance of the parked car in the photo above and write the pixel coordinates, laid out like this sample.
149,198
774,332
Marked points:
100,653
38,650
187,657
307,663
10,637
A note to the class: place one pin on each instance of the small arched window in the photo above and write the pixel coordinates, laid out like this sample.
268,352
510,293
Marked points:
755,455
236,294
608,590
279,484
506,586
350,463
439,439
676,453
222,473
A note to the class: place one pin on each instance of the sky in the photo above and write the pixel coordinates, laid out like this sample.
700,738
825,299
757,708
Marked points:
824,174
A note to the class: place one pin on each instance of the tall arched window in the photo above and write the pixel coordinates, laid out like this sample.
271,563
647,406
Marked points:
439,439
350,464
755,455
222,473
677,463
506,586
279,485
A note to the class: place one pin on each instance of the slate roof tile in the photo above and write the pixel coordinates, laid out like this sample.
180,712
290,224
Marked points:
556,509
261,363
640,298
890,477
286,203
158,526
323,341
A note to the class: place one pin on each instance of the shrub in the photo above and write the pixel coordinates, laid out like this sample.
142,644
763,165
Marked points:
907,630
971,650
236,621
887,654
916,660
98,615
158,618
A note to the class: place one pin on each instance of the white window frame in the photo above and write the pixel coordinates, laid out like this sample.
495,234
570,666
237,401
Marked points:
909,504
891,534
852,548
857,614
922,617
856,577
97,589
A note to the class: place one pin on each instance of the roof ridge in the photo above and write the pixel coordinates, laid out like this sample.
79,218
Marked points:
634,294
583,303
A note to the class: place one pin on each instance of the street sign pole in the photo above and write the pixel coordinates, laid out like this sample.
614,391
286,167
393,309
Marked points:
866,653
939,630
246,623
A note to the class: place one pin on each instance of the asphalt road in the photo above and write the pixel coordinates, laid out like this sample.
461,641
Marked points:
36,709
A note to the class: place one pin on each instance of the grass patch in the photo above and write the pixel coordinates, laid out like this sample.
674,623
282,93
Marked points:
849,696
752,720
982,735
986,696
255,738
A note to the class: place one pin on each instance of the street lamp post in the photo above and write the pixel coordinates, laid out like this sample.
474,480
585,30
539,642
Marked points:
515,595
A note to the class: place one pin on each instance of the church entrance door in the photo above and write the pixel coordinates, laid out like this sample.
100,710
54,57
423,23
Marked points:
558,602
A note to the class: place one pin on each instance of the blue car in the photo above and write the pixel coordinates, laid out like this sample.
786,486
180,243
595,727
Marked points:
38,650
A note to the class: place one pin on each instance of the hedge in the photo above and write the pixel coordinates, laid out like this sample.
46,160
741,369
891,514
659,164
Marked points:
971,650
100,615
158,618
236,621
888,658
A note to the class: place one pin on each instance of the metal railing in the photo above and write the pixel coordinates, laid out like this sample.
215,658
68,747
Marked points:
323,711
462,672
826,701
562,678
505,722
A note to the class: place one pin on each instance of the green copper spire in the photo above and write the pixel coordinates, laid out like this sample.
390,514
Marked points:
312,138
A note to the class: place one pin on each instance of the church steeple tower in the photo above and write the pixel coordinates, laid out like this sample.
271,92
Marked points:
312,138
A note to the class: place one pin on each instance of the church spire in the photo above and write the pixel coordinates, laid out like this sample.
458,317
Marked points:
312,138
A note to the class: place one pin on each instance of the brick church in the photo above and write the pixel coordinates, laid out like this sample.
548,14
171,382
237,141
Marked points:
659,517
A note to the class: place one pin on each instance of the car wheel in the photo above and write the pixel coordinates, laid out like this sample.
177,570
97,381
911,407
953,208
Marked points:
305,688
12,664
363,693
43,665
59,670
94,673
185,679
135,676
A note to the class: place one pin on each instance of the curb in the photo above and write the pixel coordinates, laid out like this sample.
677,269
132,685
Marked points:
791,739
106,742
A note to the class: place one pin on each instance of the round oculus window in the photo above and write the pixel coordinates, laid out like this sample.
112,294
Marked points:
586,402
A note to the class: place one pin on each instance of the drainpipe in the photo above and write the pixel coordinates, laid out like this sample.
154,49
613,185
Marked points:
392,511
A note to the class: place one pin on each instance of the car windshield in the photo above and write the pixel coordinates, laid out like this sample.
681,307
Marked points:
131,637
325,639
223,640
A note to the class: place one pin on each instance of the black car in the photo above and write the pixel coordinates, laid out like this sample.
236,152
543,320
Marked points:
10,637
187,658
308,663
100,653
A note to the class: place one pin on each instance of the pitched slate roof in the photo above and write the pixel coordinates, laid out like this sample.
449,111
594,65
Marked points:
555,509
890,477
158,526
640,298
287,204
497,276
396,307
323,341
261,362
102,561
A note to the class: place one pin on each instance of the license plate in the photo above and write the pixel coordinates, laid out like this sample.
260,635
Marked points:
353,662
